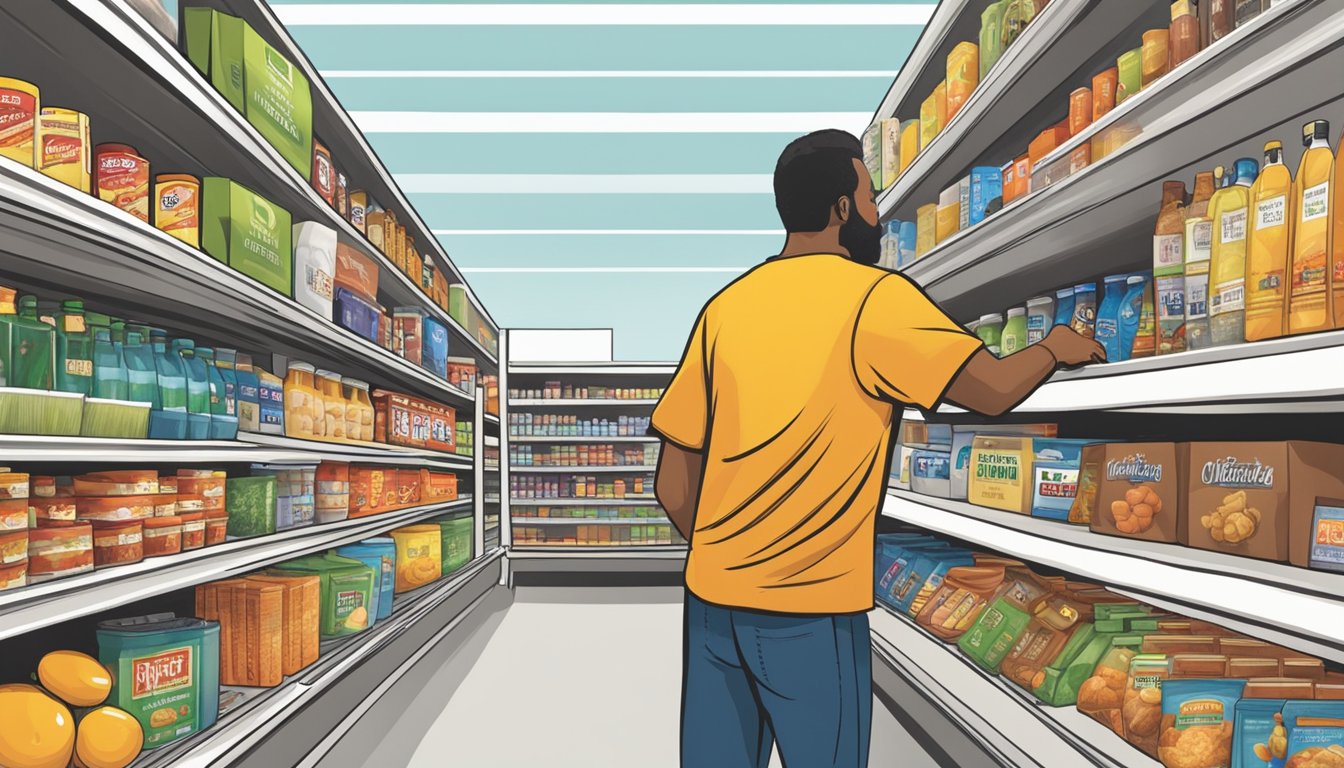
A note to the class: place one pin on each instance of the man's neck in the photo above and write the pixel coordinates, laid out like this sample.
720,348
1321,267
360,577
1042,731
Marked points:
805,243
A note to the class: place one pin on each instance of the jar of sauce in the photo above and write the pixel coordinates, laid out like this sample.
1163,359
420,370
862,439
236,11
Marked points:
163,536
119,542
305,411
193,530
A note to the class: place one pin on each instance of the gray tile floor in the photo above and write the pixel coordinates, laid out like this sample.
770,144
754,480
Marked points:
553,677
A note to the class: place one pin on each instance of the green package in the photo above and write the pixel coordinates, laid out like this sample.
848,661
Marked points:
248,232
998,628
1074,664
279,102
991,36
457,537
251,505
346,591
1130,68
27,347
214,43
1104,611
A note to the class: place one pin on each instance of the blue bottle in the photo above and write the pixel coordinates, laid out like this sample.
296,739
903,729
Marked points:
1108,316
249,394
198,390
226,360
1131,310
109,367
141,375
905,244
169,420
223,420
1064,306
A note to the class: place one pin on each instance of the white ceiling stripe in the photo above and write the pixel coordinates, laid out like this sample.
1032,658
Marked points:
715,14
601,270
608,122
605,232
572,74
579,184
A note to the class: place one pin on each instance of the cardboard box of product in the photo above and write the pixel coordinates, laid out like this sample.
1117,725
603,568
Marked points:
248,232
963,435
1258,499
356,272
1000,473
1138,490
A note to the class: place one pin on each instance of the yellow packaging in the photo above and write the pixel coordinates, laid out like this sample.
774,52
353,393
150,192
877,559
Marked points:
963,75
1314,248
1229,211
948,216
909,143
999,475
19,108
890,137
1271,240
933,115
177,206
419,556
926,229
63,147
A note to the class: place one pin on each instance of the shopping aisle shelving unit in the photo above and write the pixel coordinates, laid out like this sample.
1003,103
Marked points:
102,58
525,384
1261,82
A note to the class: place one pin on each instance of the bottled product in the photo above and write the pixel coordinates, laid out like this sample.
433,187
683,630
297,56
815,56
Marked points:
991,36
1156,56
1085,309
909,143
74,349
305,412
27,345
360,407
1145,340
1064,306
142,381
1014,335
1107,329
1040,318
1130,318
1129,69
1271,242
933,115
1184,39
1309,297
1169,267
1198,245
333,403
948,216
110,380
990,331
249,400
905,244
1104,85
926,229
1227,262
1221,19
169,421
198,389
223,411
963,75
226,360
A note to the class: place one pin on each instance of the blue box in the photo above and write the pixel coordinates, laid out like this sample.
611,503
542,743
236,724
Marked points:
1327,540
355,313
434,347
905,244
1055,476
986,185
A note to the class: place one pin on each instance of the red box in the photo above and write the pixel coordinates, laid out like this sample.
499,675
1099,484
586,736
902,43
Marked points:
405,420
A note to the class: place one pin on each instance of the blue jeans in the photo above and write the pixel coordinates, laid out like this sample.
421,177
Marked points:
803,682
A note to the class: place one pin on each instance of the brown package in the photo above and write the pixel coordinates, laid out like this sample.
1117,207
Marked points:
302,618
1141,712
1303,668
1250,648
1330,691
1185,666
1056,619
966,591
1139,490
1173,644
1278,688
1250,667
250,635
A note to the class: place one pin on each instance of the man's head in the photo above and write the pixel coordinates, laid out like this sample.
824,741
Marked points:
821,183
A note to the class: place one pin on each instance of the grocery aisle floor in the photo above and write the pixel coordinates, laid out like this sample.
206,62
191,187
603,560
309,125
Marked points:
553,677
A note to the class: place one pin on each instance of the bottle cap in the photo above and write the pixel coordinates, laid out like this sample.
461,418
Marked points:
1017,312
1136,280
1247,170
1116,278
73,305
1316,129
993,317
1064,293
1085,287
1038,301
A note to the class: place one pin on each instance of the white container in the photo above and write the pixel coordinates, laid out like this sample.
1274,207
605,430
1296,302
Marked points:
314,266
930,472
900,467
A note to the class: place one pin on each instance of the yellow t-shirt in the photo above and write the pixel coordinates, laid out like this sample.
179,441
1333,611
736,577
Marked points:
787,388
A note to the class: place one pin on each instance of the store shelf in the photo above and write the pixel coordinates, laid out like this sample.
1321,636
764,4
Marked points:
492,441
40,605
558,403
576,470
581,439
997,722
1063,39
589,521
261,711
364,452
648,501
1261,81
72,242
575,552
142,83
492,498
594,369
492,419
1294,607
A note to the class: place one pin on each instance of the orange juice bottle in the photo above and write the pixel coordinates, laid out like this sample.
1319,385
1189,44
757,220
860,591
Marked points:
1310,292
1271,239
1198,247
1227,263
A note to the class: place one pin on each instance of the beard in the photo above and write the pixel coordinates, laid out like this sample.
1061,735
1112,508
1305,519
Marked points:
861,239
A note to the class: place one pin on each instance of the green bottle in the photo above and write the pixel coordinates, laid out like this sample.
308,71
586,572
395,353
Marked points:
141,376
109,369
169,421
74,349
27,347
198,390
223,418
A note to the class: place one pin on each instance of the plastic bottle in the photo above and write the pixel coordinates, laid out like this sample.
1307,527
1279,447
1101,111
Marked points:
1014,336
1085,309
1040,318
1130,317
110,379
905,244
226,360
991,36
1198,242
169,422
1107,330
142,380
1169,266
1064,306
1271,242
1309,294
990,331
1227,264
198,390
223,424
1145,340
249,395
305,411
27,345
74,349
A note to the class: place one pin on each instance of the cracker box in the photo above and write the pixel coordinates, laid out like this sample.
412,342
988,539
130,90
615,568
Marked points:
1138,490
1000,473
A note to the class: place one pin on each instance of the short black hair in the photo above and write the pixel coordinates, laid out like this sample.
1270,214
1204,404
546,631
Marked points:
812,173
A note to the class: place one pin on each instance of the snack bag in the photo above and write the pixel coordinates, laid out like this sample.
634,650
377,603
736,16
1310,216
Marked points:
1141,710
1259,738
997,630
1315,734
1197,723
1100,696
965,593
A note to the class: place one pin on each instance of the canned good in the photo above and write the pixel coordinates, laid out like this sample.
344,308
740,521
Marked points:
163,536
118,542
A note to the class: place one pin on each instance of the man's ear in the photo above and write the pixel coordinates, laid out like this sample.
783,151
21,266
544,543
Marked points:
842,209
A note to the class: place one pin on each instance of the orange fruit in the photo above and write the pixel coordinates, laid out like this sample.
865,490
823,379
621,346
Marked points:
108,738
38,730
76,678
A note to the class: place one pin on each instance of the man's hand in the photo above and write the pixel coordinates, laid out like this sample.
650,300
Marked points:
1071,348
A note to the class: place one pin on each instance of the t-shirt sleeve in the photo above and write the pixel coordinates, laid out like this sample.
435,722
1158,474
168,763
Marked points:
682,415
905,347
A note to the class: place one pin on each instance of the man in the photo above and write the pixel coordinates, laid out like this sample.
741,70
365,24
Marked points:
776,443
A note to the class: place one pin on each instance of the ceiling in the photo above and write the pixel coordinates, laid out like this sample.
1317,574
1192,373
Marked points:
601,165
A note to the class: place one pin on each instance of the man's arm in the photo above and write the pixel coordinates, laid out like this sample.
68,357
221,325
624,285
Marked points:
677,485
992,386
